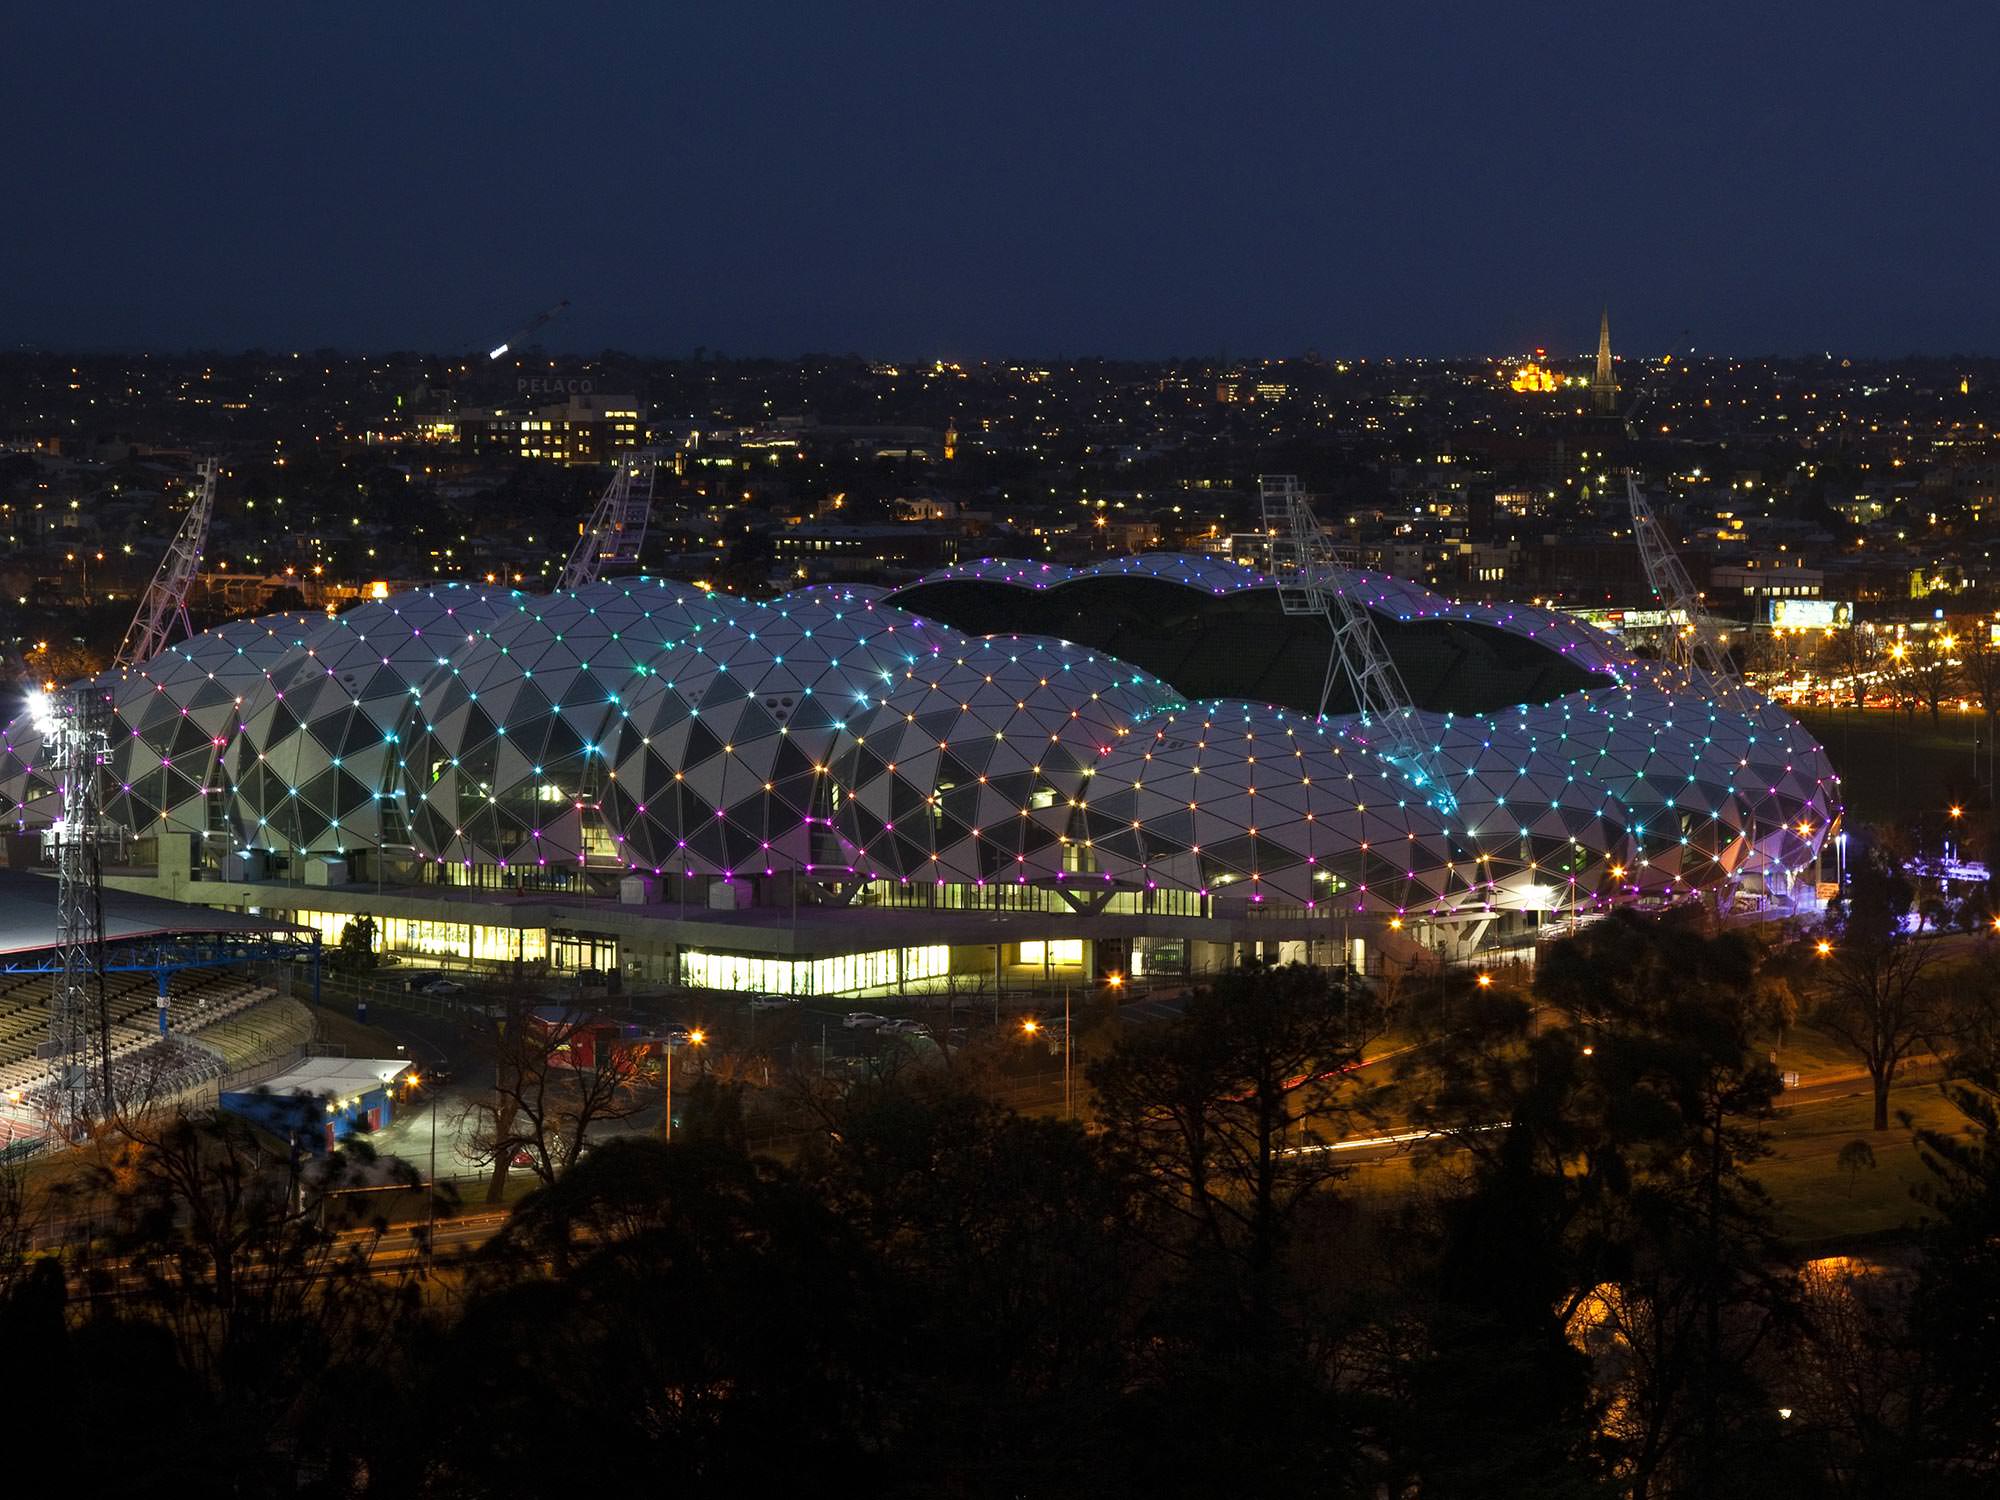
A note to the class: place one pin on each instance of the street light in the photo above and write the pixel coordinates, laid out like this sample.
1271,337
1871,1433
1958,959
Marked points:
1486,981
1823,947
1031,1027
694,1039
413,1082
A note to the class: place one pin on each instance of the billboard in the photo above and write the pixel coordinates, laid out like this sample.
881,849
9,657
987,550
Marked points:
1811,614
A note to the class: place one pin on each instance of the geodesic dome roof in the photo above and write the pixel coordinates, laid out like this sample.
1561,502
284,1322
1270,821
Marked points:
174,715
506,746
314,765
660,727
720,757
970,767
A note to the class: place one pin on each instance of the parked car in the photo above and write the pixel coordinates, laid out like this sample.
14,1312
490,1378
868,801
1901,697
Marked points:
903,1026
862,1020
440,986
772,1002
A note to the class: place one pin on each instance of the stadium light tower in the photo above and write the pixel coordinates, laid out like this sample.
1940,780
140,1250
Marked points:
164,604
75,729
616,531
1313,580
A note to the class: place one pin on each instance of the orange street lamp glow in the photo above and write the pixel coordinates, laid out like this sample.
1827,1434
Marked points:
1030,1026
1114,980
1822,947
1956,810
1485,981
1617,872
697,1037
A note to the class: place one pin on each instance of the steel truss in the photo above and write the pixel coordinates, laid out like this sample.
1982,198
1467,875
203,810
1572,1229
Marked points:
1694,640
617,527
164,603
1313,579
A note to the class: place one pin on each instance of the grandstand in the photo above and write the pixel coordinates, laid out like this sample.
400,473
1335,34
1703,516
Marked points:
219,973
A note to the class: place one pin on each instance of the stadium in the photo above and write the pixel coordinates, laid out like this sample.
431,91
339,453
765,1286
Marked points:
1006,772
192,1002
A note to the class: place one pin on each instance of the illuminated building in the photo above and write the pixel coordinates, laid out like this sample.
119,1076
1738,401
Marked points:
1604,384
584,429
1533,377
1005,768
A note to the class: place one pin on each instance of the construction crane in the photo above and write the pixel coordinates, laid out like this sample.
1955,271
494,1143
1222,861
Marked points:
533,325
617,527
164,603
1695,639
1312,579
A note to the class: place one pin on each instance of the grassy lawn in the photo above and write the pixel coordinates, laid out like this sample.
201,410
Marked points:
1815,1198
1807,1050
333,1024
1893,768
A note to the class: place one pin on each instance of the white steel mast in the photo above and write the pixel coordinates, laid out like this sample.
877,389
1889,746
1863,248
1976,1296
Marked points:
164,604
616,531
1694,641
1313,580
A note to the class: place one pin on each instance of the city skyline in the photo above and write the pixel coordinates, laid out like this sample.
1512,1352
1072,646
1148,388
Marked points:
1065,184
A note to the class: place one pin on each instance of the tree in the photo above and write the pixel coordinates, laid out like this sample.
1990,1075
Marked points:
556,1076
1229,1113
356,953
1856,1157
1878,996
1927,668
230,1286
1850,660
57,663
1958,1290
1015,1252
1979,672
674,1311
1230,1107
1610,1216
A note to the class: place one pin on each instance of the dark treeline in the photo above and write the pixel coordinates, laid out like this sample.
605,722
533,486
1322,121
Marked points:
939,1296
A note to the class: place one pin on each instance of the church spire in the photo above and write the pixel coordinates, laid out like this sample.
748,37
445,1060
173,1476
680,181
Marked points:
1604,388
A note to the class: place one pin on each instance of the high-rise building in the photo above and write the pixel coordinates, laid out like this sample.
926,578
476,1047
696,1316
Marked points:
1604,385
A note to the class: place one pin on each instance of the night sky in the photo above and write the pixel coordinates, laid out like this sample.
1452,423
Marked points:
1010,179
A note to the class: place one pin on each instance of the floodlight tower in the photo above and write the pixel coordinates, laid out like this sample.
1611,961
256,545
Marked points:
75,727
164,604
1693,642
616,530
1313,580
